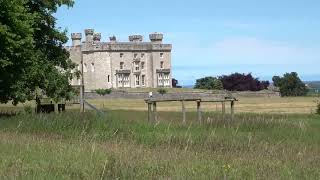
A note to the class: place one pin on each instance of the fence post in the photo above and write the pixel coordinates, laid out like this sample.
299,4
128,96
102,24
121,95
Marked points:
183,112
223,109
155,117
149,112
56,108
232,109
199,111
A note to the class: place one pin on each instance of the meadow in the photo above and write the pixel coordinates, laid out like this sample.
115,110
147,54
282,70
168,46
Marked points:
262,142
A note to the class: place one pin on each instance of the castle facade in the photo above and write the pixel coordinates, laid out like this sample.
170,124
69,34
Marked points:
113,64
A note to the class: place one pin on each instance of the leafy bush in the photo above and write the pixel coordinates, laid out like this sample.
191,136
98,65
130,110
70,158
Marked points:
209,83
103,92
162,91
242,82
290,85
318,108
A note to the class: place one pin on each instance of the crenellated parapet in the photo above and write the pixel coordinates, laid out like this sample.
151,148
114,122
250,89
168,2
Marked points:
96,37
76,36
127,46
89,31
156,37
135,38
136,43
113,39
89,34
76,39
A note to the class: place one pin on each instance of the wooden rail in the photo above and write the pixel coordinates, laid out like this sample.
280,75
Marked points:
152,106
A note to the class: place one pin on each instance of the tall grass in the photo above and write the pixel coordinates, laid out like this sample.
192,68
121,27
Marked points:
124,145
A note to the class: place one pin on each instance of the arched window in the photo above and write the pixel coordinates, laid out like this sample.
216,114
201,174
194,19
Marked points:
92,67
108,78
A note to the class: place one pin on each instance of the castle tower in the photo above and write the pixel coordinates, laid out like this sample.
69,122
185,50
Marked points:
89,35
76,39
135,38
156,37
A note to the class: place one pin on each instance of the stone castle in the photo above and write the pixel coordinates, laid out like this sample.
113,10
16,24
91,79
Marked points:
113,64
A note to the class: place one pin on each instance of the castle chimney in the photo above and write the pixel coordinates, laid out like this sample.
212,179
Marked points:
156,37
135,38
89,35
76,39
97,37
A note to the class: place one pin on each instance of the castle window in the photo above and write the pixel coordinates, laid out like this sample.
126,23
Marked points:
92,67
85,67
143,80
161,55
121,55
108,78
136,66
166,79
142,65
135,55
137,80
121,65
142,55
161,64
123,80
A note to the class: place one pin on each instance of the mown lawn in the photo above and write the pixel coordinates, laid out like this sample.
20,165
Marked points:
293,105
275,105
123,145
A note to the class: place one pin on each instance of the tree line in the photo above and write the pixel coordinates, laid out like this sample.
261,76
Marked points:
289,85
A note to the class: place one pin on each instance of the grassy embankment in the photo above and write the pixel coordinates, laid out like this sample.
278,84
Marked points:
123,145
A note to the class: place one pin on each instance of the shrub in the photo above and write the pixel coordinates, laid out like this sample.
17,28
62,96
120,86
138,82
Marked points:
27,109
209,83
290,85
318,108
242,82
162,91
103,92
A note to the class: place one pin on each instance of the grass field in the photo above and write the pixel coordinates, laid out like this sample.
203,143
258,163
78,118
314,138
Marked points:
270,138
304,105
254,105
123,146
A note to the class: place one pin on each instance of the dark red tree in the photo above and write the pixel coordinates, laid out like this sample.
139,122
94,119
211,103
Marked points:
242,82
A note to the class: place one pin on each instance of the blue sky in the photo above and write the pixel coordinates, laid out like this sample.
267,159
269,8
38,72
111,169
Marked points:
212,37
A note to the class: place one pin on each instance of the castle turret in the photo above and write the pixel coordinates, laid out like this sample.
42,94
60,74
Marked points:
89,35
156,37
113,39
97,37
76,39
135,38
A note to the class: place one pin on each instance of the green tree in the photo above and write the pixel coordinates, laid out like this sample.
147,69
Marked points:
290,85
208,83
32,56
276,80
